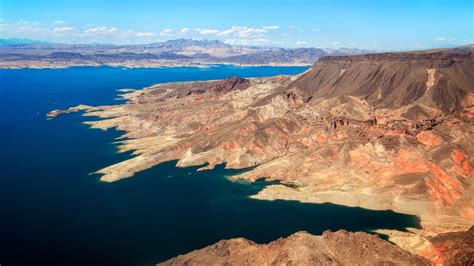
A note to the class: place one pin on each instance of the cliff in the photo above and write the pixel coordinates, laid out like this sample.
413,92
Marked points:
440,80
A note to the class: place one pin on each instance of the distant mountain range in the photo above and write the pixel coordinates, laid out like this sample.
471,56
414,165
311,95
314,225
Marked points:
16,41
15,53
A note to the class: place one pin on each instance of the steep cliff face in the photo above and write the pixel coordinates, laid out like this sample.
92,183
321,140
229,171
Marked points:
338,248
384,131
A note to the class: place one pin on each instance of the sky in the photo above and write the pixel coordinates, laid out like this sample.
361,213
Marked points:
366,24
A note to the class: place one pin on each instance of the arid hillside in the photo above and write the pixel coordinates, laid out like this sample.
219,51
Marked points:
332,248
440,80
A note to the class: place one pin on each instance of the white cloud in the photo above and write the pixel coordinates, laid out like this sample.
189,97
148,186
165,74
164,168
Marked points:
206,31
273,27
104,34
102,29
59,22
63,29
66,33
444,39
335,43
145,34
228,31
316,30
166,32
247,32
184,30
300,42
238,31
244,41
22,29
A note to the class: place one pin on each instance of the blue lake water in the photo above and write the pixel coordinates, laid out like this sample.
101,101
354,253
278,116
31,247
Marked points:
53,212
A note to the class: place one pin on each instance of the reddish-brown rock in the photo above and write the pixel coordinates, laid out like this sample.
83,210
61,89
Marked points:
332,248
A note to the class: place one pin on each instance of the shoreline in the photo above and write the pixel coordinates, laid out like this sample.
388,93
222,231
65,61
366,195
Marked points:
110,117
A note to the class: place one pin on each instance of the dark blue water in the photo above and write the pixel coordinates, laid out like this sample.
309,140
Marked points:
53,212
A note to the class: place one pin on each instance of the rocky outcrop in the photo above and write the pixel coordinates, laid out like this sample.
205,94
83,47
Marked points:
334,248
212,88
456,248
423,80
80,107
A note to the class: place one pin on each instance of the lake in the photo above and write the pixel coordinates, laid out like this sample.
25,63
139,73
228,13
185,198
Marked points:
55,212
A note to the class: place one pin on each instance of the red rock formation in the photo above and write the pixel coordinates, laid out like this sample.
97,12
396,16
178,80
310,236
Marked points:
442,187
335,248
455,248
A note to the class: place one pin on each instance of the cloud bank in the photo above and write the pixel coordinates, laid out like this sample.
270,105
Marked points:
60,31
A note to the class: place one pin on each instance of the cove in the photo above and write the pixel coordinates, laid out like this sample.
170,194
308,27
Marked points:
55,212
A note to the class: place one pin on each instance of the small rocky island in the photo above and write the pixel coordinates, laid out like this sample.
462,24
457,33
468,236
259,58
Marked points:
74,109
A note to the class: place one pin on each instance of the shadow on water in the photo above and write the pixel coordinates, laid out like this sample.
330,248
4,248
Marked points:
202,207
55,212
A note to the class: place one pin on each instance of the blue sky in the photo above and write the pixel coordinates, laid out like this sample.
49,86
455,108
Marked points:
369,24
